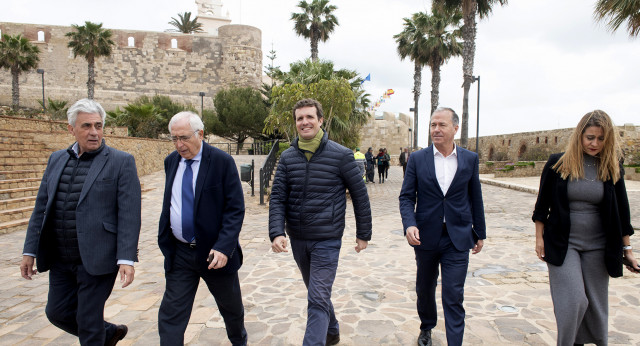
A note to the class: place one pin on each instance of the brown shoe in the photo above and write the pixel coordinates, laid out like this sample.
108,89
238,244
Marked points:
120,333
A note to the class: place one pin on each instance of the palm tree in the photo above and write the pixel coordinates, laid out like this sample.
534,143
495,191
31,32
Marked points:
316,22
469,10
18,55
441,44
90,41
619,11
185,24
412,44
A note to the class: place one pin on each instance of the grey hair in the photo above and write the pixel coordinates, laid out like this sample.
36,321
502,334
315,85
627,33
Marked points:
85,106
454,117
194,120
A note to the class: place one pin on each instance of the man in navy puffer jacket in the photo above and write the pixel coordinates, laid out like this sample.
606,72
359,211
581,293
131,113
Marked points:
308,201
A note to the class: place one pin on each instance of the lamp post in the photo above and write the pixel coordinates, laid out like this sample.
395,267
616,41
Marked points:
410,144
415,125
41,71
201,104
477,114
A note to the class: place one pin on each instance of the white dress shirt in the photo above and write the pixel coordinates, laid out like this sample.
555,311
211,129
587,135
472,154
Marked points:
176,194
446,168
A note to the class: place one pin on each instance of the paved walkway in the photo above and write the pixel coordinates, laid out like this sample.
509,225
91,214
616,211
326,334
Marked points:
507,292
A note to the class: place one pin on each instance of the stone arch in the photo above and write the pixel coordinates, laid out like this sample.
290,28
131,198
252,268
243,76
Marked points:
522,150
491,152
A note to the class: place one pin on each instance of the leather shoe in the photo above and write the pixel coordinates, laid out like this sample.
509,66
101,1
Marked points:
425,338
119,334
332,339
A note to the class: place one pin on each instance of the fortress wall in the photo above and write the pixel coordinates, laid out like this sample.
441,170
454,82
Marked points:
199,63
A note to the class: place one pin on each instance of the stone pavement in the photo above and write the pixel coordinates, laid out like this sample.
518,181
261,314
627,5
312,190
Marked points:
507,292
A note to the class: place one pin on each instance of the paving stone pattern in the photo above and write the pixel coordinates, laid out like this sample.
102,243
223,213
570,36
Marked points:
507,291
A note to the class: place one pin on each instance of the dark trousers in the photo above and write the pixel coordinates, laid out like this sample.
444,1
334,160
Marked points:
76,302
454,266
404,169
370,172
318,263
180,292
380,174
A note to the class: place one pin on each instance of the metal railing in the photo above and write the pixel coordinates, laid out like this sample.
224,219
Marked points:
267,169
256,148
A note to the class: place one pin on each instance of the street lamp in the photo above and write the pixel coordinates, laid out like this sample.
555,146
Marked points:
477,114
410,144
201,104
41,71
415,125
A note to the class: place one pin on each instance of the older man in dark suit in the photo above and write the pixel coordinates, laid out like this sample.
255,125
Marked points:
84,228
201,218
443,218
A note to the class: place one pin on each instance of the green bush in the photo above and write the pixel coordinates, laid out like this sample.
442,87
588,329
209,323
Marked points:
489,163
525,163
507,167
282,147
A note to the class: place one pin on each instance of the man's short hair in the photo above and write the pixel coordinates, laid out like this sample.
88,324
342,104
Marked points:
308,103
85,106
454,117
194,120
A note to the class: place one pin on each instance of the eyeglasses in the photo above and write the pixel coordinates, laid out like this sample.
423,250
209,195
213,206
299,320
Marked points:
182,139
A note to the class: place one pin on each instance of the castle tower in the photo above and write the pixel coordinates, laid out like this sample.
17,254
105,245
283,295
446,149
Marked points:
211,16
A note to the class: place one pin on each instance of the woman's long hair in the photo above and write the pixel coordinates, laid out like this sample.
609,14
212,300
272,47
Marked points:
570,165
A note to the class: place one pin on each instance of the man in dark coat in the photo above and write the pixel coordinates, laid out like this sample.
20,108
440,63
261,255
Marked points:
308,201
85,227
370,165
202,214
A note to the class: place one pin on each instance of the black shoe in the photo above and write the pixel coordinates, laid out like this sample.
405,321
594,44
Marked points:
120,333
425,338
332,339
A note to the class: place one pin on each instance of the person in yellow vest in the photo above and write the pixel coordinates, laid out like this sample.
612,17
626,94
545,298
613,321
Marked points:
360,160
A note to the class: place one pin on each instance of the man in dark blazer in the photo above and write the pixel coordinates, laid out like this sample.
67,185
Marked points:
84,228
202,214
443,218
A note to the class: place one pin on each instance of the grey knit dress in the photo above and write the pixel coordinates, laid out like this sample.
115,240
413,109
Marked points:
579,287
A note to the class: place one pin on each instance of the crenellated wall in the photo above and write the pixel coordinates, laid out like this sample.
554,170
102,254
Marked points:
199,63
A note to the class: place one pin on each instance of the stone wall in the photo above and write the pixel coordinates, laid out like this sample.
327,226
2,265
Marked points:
538,145
149,153
387,131
199,63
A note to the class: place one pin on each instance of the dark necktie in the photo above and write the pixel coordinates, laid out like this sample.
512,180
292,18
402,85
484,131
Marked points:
187,203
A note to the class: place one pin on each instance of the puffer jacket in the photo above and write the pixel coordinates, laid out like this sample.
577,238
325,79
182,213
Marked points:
308,197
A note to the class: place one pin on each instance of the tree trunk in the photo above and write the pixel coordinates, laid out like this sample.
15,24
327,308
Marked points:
417,84
314,45
91,82
15,88
468,55
435,93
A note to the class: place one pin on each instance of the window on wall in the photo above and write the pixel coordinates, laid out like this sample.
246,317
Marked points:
0,35
174,43
555,140
131,41
503,142
537,140
40,36
509,142
546,140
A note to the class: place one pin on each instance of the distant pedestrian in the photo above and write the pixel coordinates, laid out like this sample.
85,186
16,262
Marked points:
370,165
583,225
387,162
404,157
361,160
381,159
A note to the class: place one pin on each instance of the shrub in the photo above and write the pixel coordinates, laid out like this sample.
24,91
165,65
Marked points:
489,163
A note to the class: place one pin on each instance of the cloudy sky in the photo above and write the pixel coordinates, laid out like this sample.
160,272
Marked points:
543,63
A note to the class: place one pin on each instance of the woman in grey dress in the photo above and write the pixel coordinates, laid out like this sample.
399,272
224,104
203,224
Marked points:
583,227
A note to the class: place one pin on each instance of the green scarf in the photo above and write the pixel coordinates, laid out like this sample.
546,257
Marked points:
309,146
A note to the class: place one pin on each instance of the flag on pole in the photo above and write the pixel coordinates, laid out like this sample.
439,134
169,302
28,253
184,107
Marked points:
368,78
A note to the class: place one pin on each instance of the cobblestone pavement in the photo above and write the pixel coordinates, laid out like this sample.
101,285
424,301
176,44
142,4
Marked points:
507,292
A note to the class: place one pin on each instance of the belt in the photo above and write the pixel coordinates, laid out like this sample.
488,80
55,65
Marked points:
189,245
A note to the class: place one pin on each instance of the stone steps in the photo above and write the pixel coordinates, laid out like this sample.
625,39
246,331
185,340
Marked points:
13,166
20,202
14,225
15,214
21,174
6,184
18,193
